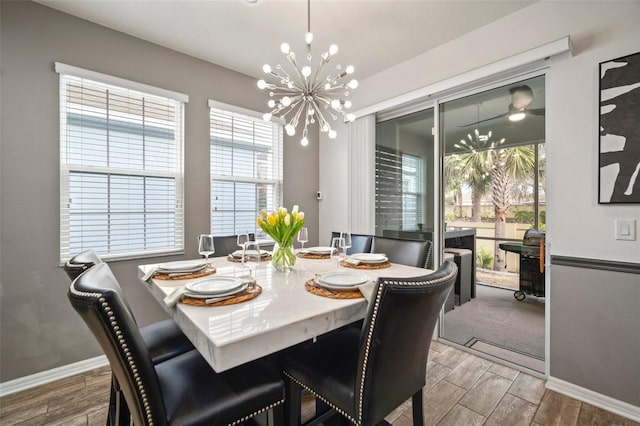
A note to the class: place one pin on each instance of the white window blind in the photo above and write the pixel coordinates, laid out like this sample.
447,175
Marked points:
121,170
246,170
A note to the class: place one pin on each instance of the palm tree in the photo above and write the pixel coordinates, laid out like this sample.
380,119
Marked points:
509,166
494,170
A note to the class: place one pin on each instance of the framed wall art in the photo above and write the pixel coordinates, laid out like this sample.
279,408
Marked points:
619,126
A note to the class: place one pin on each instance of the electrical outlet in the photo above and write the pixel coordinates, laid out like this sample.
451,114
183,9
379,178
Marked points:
626,229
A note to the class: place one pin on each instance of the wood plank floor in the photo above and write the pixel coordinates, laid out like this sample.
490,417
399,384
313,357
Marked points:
461,389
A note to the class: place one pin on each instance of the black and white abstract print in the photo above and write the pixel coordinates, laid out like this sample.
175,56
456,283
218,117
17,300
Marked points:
620,130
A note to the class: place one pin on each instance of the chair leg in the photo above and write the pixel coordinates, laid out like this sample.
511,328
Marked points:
292,401
278,415
118,410
416,403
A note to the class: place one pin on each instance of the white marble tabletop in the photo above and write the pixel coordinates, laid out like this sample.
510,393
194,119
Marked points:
283,315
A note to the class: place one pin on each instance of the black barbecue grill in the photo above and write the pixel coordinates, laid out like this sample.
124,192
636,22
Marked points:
531,252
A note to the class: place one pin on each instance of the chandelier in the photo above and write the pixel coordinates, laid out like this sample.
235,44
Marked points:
306,95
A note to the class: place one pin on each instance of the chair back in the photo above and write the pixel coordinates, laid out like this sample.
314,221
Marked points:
225,245
405,252
96,296
395,340
360,243
80,263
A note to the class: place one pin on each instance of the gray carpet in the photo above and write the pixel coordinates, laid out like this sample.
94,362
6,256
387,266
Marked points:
496,317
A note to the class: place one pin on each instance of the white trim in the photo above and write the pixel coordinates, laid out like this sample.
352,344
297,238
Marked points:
233,109
487,71
117,81
594,398
44,377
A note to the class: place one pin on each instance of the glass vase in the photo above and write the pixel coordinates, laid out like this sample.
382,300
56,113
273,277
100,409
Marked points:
283,258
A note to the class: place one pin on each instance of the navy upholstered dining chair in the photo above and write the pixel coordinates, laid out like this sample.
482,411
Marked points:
405,252
364,374
163,338
360,243
183,390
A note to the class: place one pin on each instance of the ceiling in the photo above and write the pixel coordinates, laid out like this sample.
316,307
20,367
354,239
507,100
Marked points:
373,35
243,35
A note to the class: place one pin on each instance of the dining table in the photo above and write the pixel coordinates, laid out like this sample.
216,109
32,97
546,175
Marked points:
284,313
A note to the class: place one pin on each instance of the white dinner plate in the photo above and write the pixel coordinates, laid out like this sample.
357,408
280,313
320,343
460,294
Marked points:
320,250
341,280
238,253
370,257
242,287
214,285
183,266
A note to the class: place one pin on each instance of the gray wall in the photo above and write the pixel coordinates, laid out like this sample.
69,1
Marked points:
592,321
38,328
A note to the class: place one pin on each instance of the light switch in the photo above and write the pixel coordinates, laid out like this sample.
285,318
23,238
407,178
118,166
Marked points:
626,229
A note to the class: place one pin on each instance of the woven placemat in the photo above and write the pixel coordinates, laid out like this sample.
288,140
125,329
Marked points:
250,293
209,270
386,264
239,260
314,256
312,288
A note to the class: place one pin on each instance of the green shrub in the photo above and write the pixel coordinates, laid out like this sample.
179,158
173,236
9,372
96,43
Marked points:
484,259
524,216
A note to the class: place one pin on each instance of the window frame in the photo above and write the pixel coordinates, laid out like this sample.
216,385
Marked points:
231,111
69,74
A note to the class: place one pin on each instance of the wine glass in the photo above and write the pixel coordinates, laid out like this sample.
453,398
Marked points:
347,241
251,256
338,250
242,240
205,246
303,236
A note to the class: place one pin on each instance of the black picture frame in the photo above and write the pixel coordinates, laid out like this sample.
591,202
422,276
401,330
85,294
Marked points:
619,130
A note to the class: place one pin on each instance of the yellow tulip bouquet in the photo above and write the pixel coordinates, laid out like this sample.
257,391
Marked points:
282,227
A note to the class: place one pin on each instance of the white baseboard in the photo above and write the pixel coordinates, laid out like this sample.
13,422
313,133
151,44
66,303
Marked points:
44,377
594,398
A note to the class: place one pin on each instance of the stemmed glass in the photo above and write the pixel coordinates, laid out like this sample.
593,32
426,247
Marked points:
242,240
251,256
303,236
346,236
338,250
205,246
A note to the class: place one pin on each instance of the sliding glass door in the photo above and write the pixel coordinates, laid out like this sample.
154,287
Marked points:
405,171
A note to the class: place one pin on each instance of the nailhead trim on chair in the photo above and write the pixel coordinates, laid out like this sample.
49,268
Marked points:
255,413
123,345
373,324
339,410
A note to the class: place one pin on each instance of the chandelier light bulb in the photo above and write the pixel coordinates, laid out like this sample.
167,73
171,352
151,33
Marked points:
284,48
332,134
304,141
350,117
327,86
290,129
262,84
335,104
325,128
266,116
347,104
353,84
266,68
286,101
271,103
333,49
311,111
350,69
308,37
306,71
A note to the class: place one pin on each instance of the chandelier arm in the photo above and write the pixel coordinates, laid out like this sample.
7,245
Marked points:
293,62
321,120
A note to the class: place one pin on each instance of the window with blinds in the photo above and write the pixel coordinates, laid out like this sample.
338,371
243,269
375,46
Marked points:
399,191
121,169
246,169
